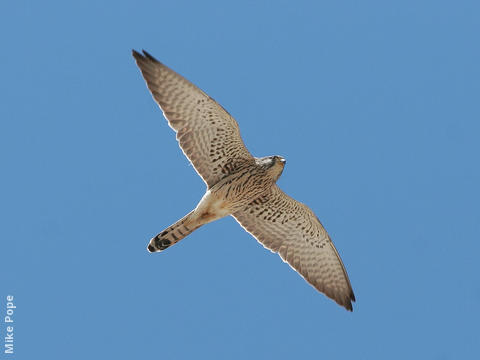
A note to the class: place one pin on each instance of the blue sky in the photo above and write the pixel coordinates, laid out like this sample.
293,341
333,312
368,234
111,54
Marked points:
375,106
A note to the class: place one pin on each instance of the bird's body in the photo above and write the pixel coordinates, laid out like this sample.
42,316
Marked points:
241,185
229,195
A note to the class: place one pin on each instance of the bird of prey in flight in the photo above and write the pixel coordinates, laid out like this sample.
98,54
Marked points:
240,185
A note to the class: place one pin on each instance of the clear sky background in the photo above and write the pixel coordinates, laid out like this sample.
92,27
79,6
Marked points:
375,106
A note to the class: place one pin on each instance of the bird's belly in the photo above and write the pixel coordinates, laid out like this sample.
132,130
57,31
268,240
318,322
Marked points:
212,207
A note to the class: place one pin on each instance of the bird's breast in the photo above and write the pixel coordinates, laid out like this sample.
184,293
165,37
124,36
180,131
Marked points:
241,188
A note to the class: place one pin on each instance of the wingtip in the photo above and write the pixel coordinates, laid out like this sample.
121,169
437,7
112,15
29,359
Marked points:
136,54
148,56
349,301
143,56
346,304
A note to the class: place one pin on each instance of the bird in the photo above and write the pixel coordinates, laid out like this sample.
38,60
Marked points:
240,185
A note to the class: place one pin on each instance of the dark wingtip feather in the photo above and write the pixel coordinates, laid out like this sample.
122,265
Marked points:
148,56
349,306
136,54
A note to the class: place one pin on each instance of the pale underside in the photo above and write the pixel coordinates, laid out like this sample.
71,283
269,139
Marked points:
210,138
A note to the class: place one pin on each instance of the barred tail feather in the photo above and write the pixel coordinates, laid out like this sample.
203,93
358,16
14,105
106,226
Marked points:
173,233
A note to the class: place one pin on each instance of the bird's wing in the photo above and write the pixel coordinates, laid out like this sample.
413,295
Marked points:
208,135
291,229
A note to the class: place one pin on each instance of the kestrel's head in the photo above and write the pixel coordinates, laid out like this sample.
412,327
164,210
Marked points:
273,164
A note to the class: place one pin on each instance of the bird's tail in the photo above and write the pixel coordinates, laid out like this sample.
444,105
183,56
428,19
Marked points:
173,233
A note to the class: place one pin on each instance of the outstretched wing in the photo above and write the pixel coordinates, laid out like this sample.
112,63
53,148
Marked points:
290,228
208,135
